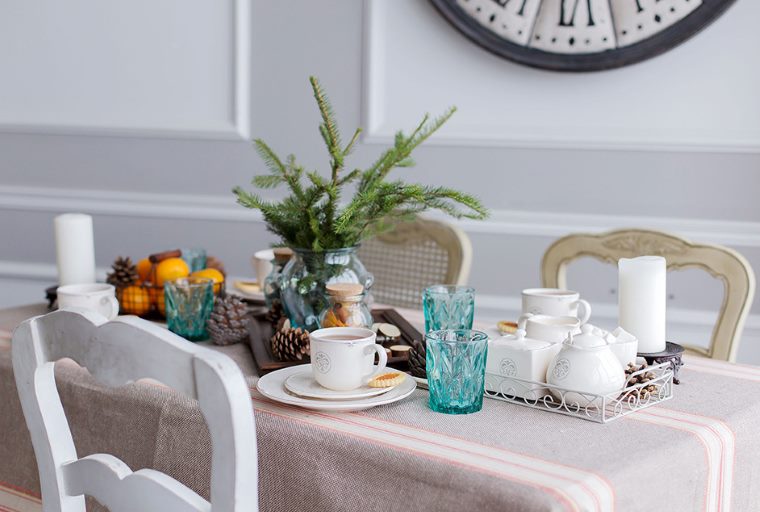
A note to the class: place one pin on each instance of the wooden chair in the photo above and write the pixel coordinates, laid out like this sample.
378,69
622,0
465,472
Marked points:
413,256
721,262
118,352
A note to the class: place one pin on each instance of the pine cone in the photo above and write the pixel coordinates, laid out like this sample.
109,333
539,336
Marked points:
275,313
123,273
228,322
417,359
212,262
290,344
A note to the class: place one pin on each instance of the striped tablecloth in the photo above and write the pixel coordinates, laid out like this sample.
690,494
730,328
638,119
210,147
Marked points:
696,452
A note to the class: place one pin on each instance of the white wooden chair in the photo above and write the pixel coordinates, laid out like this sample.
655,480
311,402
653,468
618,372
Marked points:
413,256
721,262
116,353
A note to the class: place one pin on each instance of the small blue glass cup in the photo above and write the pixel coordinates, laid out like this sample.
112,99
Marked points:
189,302
456,370
448,307
195,258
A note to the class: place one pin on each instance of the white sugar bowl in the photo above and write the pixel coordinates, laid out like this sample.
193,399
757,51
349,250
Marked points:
585,364
515,356
624,344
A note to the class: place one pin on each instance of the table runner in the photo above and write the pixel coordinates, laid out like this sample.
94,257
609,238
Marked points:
695,452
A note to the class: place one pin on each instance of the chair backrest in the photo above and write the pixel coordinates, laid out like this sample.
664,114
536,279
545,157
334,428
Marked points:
721,262
118,352
413,256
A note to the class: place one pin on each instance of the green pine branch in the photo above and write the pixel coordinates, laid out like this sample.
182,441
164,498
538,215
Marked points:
311,217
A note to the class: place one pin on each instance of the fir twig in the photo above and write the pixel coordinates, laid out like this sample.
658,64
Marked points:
310,217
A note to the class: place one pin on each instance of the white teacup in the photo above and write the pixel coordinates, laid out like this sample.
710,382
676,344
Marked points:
98,297
262,264
342,358
554,302
553,329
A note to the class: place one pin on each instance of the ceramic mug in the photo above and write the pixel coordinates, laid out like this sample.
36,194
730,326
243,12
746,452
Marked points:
554,302
342,358
553,329
98,297
262,264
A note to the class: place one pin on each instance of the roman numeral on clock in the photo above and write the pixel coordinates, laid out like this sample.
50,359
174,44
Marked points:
503,3
567,14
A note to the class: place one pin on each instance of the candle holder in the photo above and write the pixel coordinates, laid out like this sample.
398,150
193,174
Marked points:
672,354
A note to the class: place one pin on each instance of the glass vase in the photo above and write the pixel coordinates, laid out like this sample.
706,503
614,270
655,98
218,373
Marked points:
303,280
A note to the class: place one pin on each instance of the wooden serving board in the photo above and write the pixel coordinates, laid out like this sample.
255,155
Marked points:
260,332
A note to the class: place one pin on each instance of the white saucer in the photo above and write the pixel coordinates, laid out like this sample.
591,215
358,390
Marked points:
272,386
303,384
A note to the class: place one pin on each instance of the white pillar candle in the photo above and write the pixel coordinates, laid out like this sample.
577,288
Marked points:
75,249
641,300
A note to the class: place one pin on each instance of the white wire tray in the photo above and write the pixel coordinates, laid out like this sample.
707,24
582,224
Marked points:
591,407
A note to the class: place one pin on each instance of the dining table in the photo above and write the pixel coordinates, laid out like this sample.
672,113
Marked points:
699,451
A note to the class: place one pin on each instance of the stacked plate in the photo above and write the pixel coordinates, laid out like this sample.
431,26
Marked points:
296,386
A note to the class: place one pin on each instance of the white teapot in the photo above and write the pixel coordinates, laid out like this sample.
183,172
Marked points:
587,364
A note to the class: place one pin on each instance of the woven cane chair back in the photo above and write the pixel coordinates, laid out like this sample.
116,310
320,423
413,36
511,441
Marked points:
720,262
413,256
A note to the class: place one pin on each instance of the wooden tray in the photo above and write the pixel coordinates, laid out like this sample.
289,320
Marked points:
261,332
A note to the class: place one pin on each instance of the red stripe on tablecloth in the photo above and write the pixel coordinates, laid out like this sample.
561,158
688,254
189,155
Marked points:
580,477
722,368
25,493
727,466
582,483
653,420
373,440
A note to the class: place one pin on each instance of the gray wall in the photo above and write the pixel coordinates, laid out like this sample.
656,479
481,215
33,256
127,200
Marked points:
153,190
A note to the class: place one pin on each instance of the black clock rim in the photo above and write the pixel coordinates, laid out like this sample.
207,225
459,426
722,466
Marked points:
653,46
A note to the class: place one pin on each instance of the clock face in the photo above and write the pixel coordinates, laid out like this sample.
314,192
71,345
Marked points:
579,35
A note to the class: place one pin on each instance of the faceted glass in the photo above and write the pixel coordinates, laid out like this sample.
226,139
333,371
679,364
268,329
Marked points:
456,369
189,302
448,307
195,258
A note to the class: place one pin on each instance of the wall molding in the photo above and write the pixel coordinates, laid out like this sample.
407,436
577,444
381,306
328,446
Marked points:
238,127
223,209
378,131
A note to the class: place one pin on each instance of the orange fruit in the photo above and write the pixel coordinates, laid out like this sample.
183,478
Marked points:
143,269
134,300
213,274
157,299
171,268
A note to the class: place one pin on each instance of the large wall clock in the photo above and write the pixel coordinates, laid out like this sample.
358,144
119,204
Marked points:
580,35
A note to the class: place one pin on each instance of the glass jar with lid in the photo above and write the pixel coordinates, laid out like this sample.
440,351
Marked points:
345,307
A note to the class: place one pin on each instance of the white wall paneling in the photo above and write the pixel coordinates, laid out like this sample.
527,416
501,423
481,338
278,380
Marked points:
178,71
501,222
698,97
174,68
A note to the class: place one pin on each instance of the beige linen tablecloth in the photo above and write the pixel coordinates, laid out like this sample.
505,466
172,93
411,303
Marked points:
698,451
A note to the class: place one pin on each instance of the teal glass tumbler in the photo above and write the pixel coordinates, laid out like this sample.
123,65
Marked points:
456,370
195,258
448,307
189,302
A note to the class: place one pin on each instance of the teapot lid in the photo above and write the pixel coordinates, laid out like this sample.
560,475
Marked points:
587,338
519,341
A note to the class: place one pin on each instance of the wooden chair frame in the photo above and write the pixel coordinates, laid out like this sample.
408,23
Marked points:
721,262
116,353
